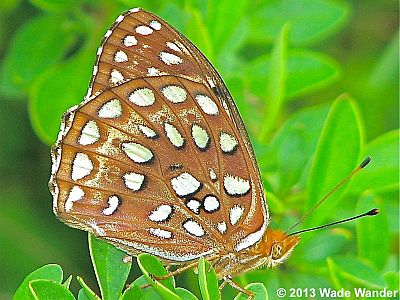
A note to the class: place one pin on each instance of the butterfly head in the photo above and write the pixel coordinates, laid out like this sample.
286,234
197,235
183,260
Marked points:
278,246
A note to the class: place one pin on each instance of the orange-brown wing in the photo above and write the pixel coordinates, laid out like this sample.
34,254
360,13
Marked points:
157,158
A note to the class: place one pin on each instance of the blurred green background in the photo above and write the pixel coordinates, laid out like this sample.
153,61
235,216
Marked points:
285,62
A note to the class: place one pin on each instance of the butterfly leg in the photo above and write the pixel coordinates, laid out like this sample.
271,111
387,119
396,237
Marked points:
176,272
173,273
238,287
223,284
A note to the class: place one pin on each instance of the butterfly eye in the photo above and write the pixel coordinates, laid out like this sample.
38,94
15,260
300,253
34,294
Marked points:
276,250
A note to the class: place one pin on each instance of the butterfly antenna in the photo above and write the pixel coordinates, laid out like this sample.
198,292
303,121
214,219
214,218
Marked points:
371,212
347,178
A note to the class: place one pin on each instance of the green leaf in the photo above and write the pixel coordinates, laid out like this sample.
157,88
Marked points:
43,289
197,32
309,71
57,90
325,16
133,292
392,280
208,280
185,294
385,72
322,245
336,156
355,270
150,265
49,272
275,83
55,6
382,172
83,296
89,294
111,271
293,145
275,204
372,232
67,282
258,289
148,291
222,20
27,58
379,90
334,273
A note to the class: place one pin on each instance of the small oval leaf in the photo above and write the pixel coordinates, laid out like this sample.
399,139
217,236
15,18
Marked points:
43,289
50,272
336,156
208,280
89,294
111,271
151,266
27,58
326,16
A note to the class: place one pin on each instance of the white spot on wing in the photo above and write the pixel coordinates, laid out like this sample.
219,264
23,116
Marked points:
95,70
235,185
227,142
173,135
148,132
142,97
235,213
170,59
97,229
144,30
75,194
90,133
193,228
221,226
133,181
200,136
108,33
116,77
120,56
119,19
173,46
251,239
130,40
99,51
210,82
81,166
137,152
160,251
207,105
161,213
210,203
110,110
213,175
113,203
155,25
174,93
165,234
153,72
193,205
185,184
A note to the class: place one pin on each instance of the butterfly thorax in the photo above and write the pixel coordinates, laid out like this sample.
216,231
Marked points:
271,250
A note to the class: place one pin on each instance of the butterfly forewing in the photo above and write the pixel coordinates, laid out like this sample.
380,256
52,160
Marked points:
157,158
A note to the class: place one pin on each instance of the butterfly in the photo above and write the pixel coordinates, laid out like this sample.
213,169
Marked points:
156,159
